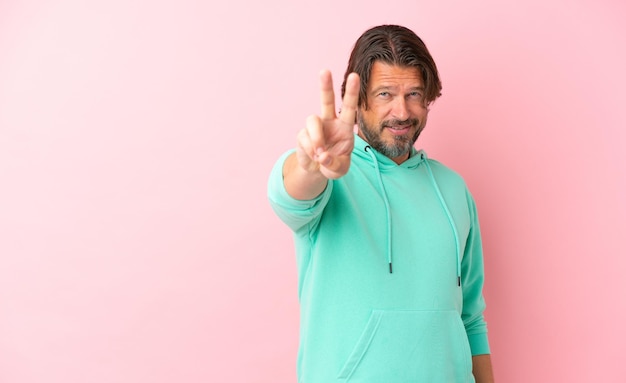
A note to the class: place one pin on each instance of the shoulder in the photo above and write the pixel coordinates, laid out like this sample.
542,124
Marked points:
444,173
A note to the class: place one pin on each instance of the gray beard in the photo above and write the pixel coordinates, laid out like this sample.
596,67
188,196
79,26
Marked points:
401,145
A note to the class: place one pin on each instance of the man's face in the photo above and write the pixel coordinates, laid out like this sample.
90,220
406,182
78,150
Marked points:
396,112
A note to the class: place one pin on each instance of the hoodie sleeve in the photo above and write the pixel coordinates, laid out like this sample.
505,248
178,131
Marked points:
473,278
294,213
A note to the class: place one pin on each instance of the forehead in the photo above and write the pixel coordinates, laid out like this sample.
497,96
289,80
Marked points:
384,74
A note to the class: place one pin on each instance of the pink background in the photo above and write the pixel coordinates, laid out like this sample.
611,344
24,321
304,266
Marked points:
136,241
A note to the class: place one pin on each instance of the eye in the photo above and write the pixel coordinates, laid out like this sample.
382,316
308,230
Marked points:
417,95
384,94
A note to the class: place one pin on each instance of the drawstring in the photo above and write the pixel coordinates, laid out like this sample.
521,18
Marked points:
387,209
441,201
450,220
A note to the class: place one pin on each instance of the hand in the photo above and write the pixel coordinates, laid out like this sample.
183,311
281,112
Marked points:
326,143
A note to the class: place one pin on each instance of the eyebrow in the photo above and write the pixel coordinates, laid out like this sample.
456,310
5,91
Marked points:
389,87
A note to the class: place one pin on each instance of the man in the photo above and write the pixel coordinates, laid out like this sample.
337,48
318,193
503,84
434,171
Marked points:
387,241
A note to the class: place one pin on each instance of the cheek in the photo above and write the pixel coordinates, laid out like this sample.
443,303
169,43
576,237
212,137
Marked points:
418,109
370,118
421,113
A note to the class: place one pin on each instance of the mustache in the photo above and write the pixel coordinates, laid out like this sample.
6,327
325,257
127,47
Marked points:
395,122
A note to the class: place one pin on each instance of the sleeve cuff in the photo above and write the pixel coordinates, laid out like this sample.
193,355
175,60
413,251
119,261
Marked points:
278,193
479,344
295,213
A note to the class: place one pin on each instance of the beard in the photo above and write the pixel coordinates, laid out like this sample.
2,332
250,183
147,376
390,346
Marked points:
400,145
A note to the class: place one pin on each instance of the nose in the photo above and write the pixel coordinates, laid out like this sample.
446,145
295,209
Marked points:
400,110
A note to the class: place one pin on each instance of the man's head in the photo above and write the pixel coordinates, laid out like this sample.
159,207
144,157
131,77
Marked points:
399,79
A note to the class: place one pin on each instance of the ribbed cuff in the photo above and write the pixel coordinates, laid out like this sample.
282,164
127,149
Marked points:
479,344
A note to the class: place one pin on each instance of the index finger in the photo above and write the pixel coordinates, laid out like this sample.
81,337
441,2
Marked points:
350,99
327,96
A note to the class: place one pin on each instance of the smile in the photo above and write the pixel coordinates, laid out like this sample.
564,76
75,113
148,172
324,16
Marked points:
399,130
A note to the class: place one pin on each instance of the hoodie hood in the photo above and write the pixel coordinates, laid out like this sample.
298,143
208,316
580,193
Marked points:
381,164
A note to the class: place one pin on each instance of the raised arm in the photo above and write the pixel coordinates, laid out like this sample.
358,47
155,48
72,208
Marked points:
324,146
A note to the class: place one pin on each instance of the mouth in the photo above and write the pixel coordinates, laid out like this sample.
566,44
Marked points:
399,127
398,130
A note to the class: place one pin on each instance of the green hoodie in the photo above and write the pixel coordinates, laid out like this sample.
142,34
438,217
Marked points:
390,272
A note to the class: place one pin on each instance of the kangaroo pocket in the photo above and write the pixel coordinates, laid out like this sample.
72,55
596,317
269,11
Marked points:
410,346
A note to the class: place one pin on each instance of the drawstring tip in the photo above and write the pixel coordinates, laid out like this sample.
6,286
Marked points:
390,268
458,280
